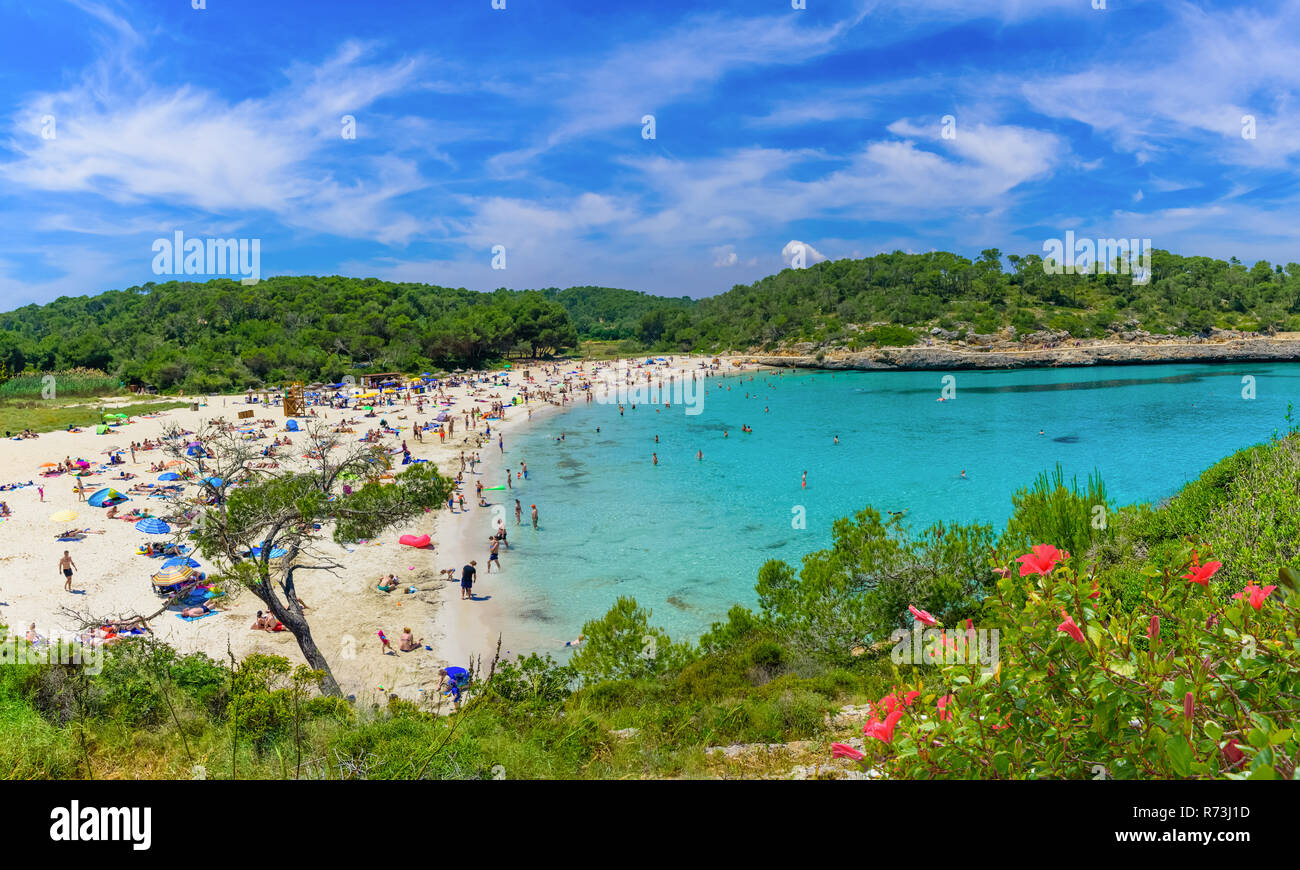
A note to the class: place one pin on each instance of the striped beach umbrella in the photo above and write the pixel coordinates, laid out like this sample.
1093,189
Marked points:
63,516
153,526
174,574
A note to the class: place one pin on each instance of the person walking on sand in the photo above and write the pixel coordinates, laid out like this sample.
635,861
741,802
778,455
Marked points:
81,491
534,517
467,580
67,566
41,490
519,511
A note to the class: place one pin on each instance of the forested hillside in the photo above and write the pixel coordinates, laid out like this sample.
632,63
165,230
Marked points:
221,334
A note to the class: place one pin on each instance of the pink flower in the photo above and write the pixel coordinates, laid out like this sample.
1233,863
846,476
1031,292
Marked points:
1189,706
1255,595
943,707
844,750
1096,590
1202,573
923,617
1153,629
910,697
883,731
1069,627
1042,560
1232,753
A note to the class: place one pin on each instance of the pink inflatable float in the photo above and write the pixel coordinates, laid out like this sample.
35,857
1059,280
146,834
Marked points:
418,541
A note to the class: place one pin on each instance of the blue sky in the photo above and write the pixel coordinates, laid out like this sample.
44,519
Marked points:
522,127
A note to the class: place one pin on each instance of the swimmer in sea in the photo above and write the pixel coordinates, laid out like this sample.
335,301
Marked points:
699,454
804,482
837,439
655,457
963,474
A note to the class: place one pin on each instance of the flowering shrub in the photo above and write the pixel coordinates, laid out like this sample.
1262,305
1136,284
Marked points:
1182,685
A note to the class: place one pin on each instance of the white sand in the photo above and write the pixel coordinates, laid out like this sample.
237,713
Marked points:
345,609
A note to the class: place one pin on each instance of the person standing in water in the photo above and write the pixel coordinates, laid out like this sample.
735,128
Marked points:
519,512
699,455
804,483
655,458
534,516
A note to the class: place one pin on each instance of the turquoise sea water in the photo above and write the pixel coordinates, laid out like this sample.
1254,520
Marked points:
686,537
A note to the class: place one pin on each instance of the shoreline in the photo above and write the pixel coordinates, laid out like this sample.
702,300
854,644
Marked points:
948,358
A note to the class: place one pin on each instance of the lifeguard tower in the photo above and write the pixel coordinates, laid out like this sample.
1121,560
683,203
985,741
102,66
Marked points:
294,406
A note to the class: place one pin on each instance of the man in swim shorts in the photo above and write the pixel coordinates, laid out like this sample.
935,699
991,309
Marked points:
66,565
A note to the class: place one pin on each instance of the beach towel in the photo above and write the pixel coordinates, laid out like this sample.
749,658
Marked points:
197,618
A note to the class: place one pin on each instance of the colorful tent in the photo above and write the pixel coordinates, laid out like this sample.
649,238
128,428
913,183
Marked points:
107,497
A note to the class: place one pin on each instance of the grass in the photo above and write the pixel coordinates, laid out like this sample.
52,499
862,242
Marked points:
81,382
49,416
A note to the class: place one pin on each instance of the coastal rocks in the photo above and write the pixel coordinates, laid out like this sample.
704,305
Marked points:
944,334
1171,350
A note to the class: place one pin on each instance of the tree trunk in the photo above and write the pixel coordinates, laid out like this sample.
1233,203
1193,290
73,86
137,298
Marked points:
293,620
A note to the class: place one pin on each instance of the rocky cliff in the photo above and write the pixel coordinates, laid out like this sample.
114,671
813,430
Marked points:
950,357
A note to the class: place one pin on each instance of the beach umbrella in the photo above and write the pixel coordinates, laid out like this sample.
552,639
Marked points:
213,481
48,465
183,561
174,574
153,526
64,516
171,475
276,552
172,462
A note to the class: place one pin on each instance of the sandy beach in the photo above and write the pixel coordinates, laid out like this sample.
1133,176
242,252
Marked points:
345,609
